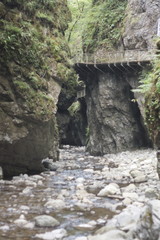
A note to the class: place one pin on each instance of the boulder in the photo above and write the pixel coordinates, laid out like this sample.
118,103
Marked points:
45,221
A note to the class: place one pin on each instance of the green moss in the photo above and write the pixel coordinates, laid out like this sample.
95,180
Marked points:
34,101
34,51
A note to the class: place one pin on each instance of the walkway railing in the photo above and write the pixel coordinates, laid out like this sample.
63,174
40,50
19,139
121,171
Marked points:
116,57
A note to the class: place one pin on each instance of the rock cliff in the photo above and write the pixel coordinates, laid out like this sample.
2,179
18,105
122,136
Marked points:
33,66
140,24
115,124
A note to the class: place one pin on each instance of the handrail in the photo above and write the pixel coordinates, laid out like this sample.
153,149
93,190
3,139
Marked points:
138,55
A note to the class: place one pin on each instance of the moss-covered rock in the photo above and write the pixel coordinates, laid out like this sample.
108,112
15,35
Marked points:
33,66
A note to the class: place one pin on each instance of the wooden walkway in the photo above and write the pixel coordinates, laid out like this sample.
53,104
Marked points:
128,56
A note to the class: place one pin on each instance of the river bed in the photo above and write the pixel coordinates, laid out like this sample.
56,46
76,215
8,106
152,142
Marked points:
83,195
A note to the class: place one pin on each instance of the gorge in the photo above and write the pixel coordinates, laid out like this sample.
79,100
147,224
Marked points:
79,119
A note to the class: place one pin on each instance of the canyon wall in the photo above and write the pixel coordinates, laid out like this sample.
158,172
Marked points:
33,67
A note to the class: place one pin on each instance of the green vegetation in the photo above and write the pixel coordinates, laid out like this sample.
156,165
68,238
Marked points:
95,24
79,10
104,25
74,108
150,87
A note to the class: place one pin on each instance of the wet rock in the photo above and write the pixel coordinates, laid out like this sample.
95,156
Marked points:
49,164
45,221
110,189
54,235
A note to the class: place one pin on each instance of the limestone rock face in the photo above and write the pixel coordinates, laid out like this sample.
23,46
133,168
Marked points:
32,63
141,23
114,119
25,139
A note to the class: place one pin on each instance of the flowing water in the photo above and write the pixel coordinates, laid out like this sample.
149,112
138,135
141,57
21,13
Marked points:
76,183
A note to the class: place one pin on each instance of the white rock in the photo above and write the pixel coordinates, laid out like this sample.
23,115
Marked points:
21,221
27,191
40,183
56,204
4,228
150,193
101,221
136,173
54,235
45,221
81,238
89,170
80,159
85,226
80,180
132,196
127,201
29,225
140,179
30,183
110,189
37,177
130,188
127,219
